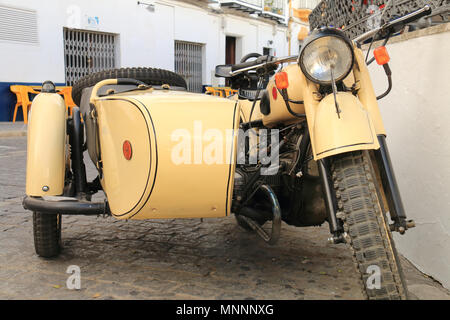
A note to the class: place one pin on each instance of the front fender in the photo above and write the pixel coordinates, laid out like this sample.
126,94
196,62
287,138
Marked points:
46,150
352,130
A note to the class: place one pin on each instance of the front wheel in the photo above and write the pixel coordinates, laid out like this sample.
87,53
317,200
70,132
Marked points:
365,222
47,234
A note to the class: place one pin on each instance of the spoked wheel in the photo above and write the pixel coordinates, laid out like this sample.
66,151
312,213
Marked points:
47,234
361,208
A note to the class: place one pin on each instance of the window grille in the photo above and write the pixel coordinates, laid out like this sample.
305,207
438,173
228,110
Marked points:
87,52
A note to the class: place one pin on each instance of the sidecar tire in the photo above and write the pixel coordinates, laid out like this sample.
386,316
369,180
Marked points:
150,76
47,234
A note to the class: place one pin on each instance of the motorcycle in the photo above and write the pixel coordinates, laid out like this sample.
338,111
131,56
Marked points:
303,144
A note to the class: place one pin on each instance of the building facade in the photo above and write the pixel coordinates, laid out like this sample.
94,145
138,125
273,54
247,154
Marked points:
64,40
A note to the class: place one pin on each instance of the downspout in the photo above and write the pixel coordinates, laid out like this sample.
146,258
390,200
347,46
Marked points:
289,25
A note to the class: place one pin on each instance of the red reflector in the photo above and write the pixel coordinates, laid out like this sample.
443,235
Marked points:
274,93
127,150
381,55
281,79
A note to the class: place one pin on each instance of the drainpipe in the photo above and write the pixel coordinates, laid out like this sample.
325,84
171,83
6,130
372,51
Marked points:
289,25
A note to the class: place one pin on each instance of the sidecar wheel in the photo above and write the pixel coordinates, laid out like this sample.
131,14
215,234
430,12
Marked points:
47,234
150,76
366,224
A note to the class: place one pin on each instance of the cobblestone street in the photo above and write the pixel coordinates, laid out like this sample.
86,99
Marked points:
175,259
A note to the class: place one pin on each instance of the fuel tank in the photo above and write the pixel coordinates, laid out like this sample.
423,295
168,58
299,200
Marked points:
167,154
277,112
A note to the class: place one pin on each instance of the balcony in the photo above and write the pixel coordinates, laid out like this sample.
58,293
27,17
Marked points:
269,9
305,4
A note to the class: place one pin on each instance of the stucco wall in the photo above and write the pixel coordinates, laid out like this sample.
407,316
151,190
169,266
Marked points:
417,120
145,38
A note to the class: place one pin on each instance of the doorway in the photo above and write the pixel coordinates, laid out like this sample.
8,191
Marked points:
230,50
230,53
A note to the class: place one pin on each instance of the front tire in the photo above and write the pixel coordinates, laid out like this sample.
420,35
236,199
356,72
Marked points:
47,234
365,222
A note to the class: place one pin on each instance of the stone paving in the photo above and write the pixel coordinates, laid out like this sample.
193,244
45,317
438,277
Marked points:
171,259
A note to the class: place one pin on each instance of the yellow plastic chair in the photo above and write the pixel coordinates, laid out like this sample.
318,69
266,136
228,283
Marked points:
211,91
66,92
224,92
23,100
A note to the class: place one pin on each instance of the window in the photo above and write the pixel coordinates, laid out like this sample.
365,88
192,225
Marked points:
87,52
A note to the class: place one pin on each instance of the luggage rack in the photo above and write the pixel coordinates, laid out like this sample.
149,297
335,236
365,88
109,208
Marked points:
356,17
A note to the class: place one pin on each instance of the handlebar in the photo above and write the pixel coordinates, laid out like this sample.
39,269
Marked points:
413,16
259,62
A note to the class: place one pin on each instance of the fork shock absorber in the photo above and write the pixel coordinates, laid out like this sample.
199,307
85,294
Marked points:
396,209
336,228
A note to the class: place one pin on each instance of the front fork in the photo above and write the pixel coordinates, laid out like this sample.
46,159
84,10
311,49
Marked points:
390,188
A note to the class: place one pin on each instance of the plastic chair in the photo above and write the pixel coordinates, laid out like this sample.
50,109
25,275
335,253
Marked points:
66,92
22,100
224,92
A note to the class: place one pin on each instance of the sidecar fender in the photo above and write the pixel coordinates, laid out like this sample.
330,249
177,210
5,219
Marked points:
46,151
352,129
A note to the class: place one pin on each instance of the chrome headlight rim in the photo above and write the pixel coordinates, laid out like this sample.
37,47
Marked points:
320,33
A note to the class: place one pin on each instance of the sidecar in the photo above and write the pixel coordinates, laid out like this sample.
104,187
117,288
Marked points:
160,152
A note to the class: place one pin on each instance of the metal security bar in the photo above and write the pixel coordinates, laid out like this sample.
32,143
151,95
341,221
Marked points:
189,64
356,17
87,52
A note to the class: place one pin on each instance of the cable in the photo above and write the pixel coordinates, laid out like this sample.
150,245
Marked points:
254,101
381,96
388,72
286,100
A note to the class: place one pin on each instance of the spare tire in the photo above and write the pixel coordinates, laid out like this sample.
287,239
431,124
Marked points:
150,76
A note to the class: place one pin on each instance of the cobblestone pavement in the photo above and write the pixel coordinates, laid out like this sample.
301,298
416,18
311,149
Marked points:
175,259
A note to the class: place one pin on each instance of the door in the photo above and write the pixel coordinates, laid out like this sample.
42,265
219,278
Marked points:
230,54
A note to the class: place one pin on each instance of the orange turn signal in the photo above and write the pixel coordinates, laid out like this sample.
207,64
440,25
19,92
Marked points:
381,55
281,80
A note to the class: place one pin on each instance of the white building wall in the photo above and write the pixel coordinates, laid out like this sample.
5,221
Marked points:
416,115
145,38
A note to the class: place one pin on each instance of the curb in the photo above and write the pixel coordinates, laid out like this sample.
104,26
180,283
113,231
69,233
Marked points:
9,134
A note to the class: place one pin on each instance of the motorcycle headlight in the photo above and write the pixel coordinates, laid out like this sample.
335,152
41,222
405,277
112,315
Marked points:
326,54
